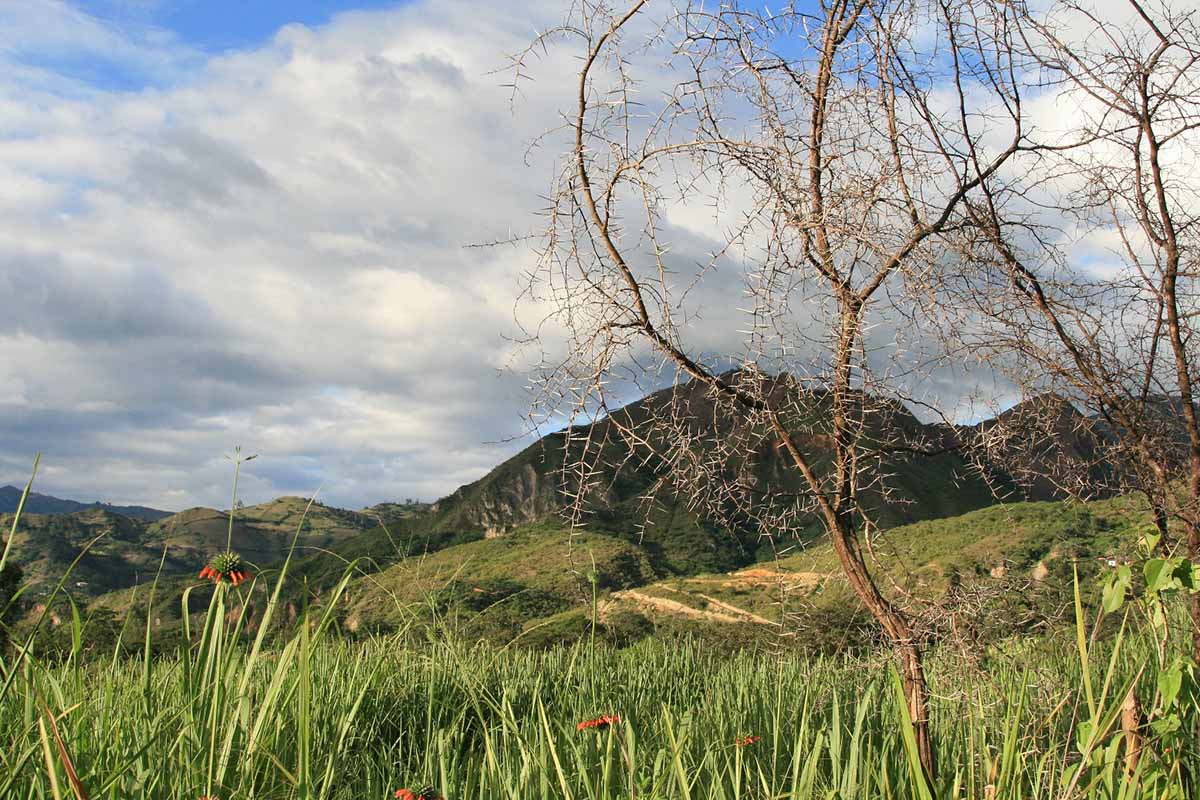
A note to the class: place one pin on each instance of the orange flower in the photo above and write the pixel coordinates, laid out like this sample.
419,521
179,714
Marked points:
600,723
428,793
226,567
746,741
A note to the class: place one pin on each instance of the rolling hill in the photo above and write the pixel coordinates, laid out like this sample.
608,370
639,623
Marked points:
498,556
10,498
116,551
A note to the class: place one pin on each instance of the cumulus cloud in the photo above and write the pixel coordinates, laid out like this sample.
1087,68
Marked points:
266,247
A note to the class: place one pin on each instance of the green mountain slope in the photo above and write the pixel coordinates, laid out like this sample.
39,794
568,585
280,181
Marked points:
1006,569
116,551
497,586
1017,560
113,551
10,498
533,487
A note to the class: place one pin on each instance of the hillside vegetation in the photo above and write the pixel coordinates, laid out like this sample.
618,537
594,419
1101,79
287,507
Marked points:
541,585
117,552
526,492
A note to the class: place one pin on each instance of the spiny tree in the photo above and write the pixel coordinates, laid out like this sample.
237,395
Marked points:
838,148
1114,333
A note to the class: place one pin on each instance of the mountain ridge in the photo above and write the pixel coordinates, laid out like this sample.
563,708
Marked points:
673,536
37,503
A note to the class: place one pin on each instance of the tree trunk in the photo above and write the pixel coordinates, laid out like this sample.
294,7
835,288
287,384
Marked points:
840,525
899,630
916,692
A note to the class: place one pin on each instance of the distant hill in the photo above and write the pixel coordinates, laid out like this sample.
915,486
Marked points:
125,551
676,537
10,498
505,535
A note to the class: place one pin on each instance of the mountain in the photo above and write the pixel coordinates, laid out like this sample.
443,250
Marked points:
678,536
116,551
503,539
10,498
1046,448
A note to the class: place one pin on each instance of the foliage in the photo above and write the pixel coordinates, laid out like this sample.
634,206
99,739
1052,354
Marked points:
11,576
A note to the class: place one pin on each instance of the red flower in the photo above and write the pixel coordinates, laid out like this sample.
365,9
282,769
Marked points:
746,741
599,723
428,793
226,567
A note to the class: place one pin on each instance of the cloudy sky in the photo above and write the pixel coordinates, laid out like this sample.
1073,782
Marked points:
230,222
250,222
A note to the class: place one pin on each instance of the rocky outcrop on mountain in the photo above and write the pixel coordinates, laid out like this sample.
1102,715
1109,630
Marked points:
537,483
523,489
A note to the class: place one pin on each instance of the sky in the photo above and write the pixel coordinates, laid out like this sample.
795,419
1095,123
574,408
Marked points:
249,223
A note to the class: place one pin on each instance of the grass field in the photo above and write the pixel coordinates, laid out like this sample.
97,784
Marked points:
291,709
317,717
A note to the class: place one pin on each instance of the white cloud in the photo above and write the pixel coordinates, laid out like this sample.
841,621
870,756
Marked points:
266,248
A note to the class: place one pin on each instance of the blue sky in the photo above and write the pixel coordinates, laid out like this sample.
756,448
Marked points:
217,25
198,28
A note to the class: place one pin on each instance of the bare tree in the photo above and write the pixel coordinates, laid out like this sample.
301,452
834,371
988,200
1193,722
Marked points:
837,150
1117,338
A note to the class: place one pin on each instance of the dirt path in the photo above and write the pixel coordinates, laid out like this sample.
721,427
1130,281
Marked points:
739,611
719,611
761,576
668,606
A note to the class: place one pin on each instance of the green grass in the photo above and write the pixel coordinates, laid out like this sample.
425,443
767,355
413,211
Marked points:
325,718
288,708
312,715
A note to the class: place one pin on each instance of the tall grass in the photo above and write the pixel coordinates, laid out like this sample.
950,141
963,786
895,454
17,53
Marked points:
310,715
322,718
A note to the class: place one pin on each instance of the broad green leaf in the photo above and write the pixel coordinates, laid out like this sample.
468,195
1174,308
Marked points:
1170,681
1115,589
1159,574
